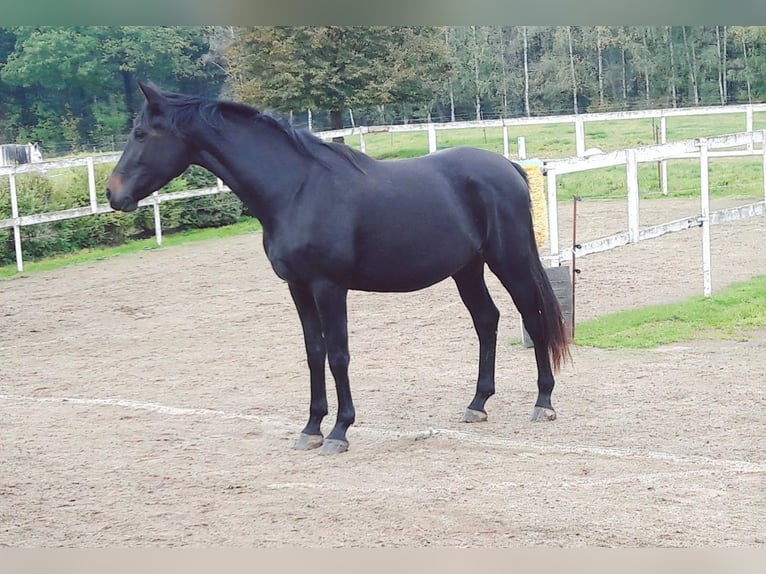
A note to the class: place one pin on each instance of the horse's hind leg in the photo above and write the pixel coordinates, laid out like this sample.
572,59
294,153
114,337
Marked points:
475,296
520,283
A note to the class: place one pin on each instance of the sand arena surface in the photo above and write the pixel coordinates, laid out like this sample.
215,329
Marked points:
153,400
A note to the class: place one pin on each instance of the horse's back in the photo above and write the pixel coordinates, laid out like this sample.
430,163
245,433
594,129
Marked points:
415,222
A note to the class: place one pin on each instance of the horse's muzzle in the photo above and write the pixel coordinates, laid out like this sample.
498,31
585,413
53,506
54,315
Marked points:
117,198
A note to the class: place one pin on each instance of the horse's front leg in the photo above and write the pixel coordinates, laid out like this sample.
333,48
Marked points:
331,304
312,437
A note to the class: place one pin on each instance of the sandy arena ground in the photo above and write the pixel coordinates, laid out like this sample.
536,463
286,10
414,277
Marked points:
153,400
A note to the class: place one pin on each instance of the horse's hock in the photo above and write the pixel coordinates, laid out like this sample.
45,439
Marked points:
561,281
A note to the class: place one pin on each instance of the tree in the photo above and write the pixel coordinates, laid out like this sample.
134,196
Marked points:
73,84
337,67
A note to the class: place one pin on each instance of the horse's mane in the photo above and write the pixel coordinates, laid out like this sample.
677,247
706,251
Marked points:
213,112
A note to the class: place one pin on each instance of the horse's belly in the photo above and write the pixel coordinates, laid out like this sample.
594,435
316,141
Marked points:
408,270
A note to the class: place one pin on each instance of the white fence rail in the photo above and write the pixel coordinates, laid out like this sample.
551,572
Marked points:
579,121
17,221
715,147
700,148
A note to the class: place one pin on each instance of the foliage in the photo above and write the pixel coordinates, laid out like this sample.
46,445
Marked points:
38,194
73,88
336,67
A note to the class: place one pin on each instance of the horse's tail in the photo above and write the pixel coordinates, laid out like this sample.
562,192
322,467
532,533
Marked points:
554,329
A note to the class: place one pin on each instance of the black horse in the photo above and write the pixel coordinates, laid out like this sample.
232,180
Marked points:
335,219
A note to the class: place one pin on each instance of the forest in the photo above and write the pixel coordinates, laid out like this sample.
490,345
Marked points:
74,89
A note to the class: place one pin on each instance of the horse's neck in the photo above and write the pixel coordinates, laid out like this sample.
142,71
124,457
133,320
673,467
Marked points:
260,167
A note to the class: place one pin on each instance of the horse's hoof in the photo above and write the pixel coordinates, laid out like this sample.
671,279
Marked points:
543,414
472,416
309,441
334,446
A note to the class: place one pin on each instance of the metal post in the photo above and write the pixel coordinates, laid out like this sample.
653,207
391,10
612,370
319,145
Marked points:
705,218
575,247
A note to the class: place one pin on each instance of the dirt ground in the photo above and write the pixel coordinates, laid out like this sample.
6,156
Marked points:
153,400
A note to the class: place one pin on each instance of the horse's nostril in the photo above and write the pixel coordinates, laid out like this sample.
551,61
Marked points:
108,194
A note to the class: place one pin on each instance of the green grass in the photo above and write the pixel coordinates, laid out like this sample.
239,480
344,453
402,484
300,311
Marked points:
247,225
729,313
730,177
557,140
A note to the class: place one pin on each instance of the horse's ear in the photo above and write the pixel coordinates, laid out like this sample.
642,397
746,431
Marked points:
150,91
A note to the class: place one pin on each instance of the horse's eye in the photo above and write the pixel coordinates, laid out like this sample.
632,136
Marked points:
139,134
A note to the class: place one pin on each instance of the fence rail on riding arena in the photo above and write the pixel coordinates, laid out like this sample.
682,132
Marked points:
732,145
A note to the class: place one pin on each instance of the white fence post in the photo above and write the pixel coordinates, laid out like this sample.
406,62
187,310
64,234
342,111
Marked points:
763,140
16,226
431,138
705,218
362,145
506,147
157,219
749,123
631,170
553,217
522,143
92,185
664,163
579,136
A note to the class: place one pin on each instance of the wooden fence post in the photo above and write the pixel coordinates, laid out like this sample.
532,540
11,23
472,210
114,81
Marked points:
431,138
705,218
631,169
664,163
16,226
579,136
92,185
553,217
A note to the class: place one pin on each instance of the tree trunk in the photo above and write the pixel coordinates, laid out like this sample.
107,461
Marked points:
504,74
624,77
572,69
451,101
747,71
526,71
673,94
449,80
720,65
725,58
600,49
691,61
646,69
477,97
